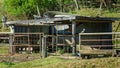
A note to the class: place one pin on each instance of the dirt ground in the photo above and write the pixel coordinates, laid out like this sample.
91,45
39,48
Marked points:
19,58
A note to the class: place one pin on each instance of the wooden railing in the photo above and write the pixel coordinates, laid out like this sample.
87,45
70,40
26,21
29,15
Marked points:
106,40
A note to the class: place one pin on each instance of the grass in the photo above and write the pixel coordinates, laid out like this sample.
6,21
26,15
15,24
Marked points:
96,12
4,50
56,62
2,65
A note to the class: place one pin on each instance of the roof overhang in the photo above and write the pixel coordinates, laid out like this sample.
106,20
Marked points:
61,19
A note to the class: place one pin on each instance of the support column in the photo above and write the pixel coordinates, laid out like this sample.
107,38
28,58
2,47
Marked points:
74,37
53,38
44,48
11,40
76,3
11,44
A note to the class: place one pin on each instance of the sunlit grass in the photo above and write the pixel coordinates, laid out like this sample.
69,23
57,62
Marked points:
96,12
4,50
56,62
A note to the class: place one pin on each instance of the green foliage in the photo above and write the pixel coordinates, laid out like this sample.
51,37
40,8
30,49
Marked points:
2,65
61,51
20,7
4,29
23,9
5,64
95,12
29,7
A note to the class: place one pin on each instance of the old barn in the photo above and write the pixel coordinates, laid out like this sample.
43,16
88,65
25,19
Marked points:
60,32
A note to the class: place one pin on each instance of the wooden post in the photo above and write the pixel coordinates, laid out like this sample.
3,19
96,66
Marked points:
38,10
44,50
11,44
74,37
79,42
11,39
76,3
40,42
53,38
56,39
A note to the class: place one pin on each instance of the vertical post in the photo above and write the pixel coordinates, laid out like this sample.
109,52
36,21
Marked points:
56,40
11,44
76,3
74,37
53,38
115,40
40,42
79,44
4,19
11,39
44,50
79,41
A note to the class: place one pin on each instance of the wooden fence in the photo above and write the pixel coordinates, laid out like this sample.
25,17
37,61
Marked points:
106,42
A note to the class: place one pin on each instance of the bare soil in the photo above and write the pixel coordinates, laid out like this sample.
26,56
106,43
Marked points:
19,58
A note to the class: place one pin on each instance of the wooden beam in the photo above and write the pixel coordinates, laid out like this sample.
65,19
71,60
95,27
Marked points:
7,33
38,10
44,50
53,38
93,21
76,3
73,37
11,44
104,33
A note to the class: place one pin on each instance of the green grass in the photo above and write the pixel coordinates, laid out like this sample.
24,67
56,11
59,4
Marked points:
56,62
96,12
2,65
4,50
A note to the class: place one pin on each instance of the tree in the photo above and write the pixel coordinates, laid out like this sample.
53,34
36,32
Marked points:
20,7
29,7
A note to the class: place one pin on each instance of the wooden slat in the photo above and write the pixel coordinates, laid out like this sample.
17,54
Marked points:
97,51
28,33
97,40
64,35
20,35
6,33
26,45
104,33
99,45
117,38
4,37
60,44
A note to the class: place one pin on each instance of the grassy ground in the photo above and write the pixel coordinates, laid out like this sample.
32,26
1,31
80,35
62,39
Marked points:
56,62
96,12
4,49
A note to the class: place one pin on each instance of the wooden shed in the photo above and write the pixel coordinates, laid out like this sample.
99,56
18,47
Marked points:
62,31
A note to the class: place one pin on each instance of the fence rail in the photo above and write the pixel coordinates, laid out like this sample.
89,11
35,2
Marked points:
106,40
